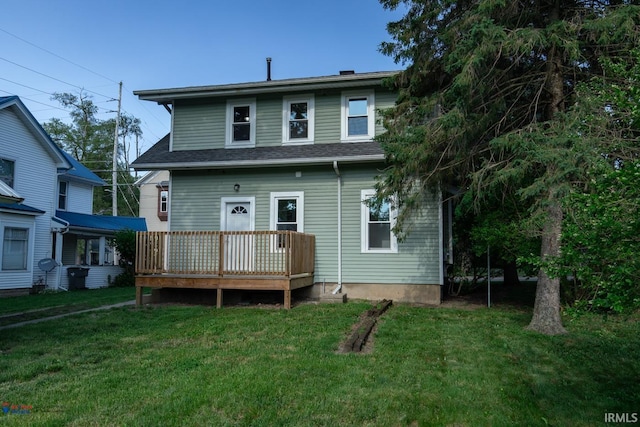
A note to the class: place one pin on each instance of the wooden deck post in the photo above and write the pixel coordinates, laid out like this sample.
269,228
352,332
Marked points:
139,290
287,299
219,298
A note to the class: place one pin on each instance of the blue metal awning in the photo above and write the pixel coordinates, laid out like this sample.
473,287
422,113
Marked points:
102,222
20,209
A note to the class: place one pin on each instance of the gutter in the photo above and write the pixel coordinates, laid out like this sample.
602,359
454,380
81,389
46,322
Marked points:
337,171
65,225
167,96
254,163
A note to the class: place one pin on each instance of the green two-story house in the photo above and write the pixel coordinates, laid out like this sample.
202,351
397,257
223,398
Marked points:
293,155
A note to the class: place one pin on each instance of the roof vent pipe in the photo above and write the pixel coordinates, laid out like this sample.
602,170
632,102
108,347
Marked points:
268,69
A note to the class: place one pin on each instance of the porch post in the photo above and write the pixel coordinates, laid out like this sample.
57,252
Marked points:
101,249
58,275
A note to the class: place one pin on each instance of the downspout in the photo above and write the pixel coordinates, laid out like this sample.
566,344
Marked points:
60,232
337,171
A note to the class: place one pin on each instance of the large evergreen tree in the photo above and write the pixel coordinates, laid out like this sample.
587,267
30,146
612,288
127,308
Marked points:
486,102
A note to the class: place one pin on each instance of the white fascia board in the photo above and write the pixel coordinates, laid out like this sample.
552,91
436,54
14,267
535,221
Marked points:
146,178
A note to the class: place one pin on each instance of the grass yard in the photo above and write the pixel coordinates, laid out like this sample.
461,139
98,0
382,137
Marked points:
200,366
23,308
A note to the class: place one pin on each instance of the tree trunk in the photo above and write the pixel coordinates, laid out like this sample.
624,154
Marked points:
546,310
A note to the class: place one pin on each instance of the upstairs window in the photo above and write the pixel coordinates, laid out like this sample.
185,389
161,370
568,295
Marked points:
241,123
377,223
298,120
63,187
358,120
7,168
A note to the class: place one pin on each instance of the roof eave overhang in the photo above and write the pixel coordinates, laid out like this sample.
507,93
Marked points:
90,230
167,96
21,212
81,180
259,163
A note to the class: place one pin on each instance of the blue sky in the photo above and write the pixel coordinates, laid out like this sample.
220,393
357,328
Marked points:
52,46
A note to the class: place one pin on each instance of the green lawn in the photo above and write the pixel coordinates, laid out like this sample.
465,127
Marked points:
23,308
200,366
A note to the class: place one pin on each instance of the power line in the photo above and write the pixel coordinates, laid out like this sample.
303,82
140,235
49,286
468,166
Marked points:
53,78
33,100
143,105
57,56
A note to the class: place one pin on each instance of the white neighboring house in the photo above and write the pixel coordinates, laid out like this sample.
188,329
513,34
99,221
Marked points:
154,200
46,200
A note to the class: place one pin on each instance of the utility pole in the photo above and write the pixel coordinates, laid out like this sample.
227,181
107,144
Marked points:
114,175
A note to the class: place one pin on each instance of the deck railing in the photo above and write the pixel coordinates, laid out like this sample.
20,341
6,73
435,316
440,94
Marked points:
224,253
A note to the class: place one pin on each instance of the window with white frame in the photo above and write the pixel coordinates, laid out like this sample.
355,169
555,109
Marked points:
358,118
7,171
287,212
63,188
163,203
15,248
377,222
241,123
298,119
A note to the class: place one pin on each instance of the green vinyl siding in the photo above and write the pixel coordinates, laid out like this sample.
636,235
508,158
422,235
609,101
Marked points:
327,118
200,126
384,99
196,206
269,121
418,257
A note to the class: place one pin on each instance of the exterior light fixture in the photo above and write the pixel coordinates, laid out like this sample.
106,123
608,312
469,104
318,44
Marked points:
236,187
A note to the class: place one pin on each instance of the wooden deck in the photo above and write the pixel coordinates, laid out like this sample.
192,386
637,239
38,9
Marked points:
245,260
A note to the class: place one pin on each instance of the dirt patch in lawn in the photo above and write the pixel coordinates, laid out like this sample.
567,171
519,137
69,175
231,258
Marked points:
360,339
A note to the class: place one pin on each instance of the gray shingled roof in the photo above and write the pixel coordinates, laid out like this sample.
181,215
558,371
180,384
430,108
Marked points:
159,156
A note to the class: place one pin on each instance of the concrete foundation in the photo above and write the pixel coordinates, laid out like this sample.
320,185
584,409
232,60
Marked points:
401,293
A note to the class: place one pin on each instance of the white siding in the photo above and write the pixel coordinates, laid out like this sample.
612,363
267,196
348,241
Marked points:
149,202
36,181
80,198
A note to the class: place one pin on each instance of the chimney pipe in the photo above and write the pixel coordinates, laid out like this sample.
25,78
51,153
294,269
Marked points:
268,69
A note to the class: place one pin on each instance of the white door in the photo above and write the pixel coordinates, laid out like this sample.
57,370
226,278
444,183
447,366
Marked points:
238,248
238,217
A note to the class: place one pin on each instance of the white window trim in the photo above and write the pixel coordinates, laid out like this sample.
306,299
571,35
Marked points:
344,111
286,107
30,226
166,201
252,210
273,216
229,142
66,195
273,207
364,229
